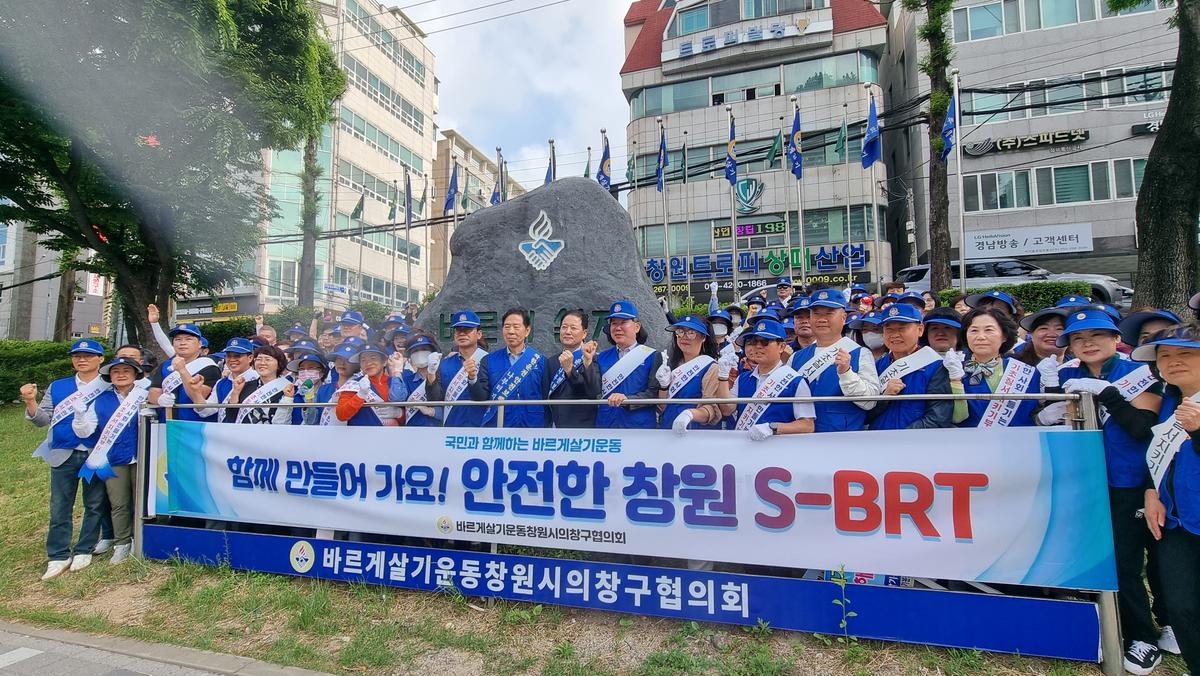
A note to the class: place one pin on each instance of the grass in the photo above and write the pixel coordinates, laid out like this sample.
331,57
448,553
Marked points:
361,629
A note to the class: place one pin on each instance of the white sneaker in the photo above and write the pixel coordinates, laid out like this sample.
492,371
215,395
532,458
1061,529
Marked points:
102,546
56,568
80,562
1167,642
120,553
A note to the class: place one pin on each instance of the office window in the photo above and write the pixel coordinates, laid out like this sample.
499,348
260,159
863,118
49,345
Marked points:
689,21
1072,184
987,21
1065,89
281,279
1147,6
745,86
1100,189
4,229
1128,177
1138,86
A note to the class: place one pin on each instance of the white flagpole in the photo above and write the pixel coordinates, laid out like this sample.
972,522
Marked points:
875,214
785,163
737,296
392,279
800,212
962,228
430,189
408,237
849,208
499,174
662,129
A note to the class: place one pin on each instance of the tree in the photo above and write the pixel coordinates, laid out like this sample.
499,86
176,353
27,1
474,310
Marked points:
1168,204
934,66
134,129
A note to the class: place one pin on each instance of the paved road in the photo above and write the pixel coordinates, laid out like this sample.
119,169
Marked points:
47,652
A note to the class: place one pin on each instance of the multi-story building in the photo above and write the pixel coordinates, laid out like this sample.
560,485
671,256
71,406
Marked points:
476,181
1060,105
686,62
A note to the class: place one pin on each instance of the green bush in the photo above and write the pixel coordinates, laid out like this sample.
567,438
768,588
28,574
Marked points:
690,306
1032,296
32,361
219,333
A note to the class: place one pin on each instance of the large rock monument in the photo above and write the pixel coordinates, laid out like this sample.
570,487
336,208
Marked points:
565,246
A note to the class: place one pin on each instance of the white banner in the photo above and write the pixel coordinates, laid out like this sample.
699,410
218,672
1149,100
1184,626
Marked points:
1029,241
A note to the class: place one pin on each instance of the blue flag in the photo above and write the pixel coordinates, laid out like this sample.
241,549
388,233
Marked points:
496,191
549,173
604,172
452,192
663,160
731,156
796,148
872,149
949,128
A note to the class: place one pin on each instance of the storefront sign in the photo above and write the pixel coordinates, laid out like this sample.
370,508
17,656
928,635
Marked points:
1027,142
217,310
1032,241
751,229
1146,128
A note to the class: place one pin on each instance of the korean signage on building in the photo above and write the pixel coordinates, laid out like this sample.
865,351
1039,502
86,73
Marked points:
1030,241
1027,142
217,309
829,264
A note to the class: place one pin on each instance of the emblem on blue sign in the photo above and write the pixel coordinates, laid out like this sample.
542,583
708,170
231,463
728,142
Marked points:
541,251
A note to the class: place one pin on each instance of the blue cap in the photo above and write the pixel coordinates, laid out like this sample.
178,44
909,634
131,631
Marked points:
767,329
298,328
1085,320
351,317
370,349
304,345
318,357
622,309
1149,351
756,300
239,346
828,298
764,313
975,299
912,298
783,281
122,361
720,314
345,351
735,308
186,329
690,322
336,330
397,330
943,320
1030,322
856,296
464,319
394,319
858,287
1131,326
87,346
1069,302
418,342
800,304
880,300
858,321
901,312
203,342
357,341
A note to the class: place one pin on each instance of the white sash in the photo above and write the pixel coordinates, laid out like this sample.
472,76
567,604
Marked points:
84,395
417,394
120,419
688,370
1016,379
618,372
771,387
458,384
1134,383
913,362
261,395
823,357
1169,436
174,379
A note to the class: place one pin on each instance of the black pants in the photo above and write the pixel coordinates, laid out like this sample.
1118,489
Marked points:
1131,539
1179,564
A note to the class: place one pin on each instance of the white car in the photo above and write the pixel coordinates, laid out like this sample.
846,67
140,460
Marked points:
986,273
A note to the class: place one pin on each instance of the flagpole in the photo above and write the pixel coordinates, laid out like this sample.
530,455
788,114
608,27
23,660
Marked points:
962,228
687,192
785,164
553,163
408,210
635,183
874,215
362,244
737,296
662,131
800,210
849,238
431,189
395,198
450,231
587,168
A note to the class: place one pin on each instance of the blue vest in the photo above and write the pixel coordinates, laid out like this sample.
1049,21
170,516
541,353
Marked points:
125,449
694,389
620,417
900,414
833,416
1180,489
747,385
977,407
62,436
1124,456
181,397
530,387
366,415
461,416
413,380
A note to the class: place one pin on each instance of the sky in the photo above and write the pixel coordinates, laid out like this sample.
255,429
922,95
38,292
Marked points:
518,81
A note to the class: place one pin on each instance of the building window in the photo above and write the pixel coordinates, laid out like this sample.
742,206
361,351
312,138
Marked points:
745,86
382,93
4,262
693,20
281,280
1050,186
359,128
1128,174
391,46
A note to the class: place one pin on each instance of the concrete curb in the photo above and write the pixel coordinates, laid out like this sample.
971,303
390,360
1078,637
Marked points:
201,660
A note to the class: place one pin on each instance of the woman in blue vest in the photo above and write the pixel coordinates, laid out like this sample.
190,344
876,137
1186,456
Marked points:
238,362
1172,496
272,386
770,378
988,333
909,368
628,370
343,371
420,369
1131,398
461,374
517,371
374,385
311,367
691,373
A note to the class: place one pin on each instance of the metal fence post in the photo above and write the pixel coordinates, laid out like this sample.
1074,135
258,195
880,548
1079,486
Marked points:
499,414
1112,651
141,480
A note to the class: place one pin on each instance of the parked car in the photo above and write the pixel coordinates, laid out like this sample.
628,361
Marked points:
982,274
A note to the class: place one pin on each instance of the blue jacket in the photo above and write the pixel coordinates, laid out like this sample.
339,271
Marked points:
181,395
1124,456
916,415
61,436
535,385
1180,488
833,416
124,450
640,384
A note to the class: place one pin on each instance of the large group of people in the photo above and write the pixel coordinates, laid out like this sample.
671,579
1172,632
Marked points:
1143,368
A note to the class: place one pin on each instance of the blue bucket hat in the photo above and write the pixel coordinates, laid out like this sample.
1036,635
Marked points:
304,345
777,307
767,329
121,361
465,319
357,341
351,317
783,281
690,322
87,346
1030,322
880,300
622,309
827,298
720,315
239,346
856,323
316,357
975,299
1179,337
345,351
1131,326
418,342
900,312
186,329
764,313
1085,320
370,349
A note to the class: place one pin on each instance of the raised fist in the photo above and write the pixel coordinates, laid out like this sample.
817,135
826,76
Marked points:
565,359
179,365
842,360
471,367
29,392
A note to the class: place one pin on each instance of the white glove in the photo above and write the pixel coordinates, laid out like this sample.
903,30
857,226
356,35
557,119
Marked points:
761,431
1048,370
680,426
725,364
364,387
166,399
1053,414
79,407
435,358
664,372
954,365
1093,385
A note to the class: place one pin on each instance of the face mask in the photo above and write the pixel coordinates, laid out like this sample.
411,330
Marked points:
737,319
873,341
419,359
308,376
720,330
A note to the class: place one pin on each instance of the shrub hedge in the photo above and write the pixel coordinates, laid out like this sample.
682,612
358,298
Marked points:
1032,296
31,361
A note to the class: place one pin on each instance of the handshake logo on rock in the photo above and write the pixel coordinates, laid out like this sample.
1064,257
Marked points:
541,251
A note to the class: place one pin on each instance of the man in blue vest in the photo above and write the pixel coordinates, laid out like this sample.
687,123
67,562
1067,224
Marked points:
460,374
188,378
909,368
517,371
771,378
628,370
834,366
66,400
